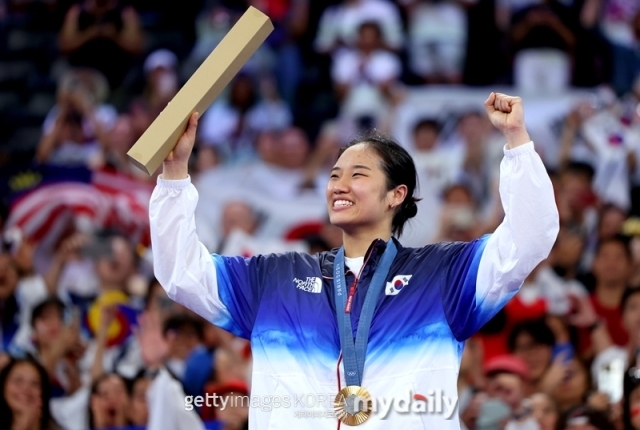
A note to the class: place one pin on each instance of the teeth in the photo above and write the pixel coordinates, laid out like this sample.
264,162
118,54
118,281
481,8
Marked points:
342,203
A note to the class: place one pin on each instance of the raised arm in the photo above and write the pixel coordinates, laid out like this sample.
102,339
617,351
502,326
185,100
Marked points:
182,264
488,272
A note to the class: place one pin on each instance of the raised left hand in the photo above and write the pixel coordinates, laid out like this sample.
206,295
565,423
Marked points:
506,113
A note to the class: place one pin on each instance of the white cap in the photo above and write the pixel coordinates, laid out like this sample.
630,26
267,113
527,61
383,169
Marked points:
160,58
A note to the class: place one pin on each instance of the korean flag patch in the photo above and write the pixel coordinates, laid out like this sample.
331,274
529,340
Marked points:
397,284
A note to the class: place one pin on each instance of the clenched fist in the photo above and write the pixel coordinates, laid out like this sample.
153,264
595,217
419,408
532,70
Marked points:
176,165
507,115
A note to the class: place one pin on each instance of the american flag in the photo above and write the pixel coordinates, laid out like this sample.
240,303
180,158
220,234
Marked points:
42,200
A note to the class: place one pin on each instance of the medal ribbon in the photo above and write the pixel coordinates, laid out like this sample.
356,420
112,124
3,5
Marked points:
353,355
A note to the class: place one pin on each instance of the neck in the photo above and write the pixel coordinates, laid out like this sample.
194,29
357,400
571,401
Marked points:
610,294
357,243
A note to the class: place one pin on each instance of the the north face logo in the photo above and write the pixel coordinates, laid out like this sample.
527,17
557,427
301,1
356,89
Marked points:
310,285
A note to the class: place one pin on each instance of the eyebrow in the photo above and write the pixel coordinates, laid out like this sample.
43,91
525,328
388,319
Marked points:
357,166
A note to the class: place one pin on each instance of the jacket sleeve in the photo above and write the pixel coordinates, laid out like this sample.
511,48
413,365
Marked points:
481,276
224,290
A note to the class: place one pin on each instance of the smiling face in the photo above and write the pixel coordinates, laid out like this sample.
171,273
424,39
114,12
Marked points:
23,388
357,195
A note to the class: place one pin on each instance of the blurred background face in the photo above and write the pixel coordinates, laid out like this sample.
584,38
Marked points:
506,387
473,128
121,136
573,387
113,395
369,39
8,276
544,411
23,388
611,264
631,317
536,355
117,268
48,326
293,148
611,222
568,248
182,342
268,148
576,191
161,303
238,216
425,138
458,195
139,412
242,93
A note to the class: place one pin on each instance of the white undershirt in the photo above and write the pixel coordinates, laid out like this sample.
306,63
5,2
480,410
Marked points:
354,264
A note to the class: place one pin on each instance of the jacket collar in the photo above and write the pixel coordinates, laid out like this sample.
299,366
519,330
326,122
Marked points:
375,251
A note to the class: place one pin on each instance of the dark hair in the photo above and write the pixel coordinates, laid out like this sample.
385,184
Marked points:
50,302
375,25
94,391
628,293
618,238
579,168
399,169
430,123
6,415
537,329
180,322
593,417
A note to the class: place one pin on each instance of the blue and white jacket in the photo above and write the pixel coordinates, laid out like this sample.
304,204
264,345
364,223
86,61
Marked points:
435,298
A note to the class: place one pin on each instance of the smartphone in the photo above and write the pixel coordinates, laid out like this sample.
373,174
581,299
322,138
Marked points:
611,380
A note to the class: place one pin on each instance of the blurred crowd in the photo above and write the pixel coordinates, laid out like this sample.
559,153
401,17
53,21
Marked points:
89,339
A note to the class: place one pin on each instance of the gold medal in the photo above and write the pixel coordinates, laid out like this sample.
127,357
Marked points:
353,405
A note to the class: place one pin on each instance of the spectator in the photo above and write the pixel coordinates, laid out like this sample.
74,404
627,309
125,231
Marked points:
611,269
162,84
545,411
290,18
620,23
543,48
18,296
183,334
105,35
611,357
58,346
574,388
233,125
339,25
478,152
437,36
109,403
535,343
631,403
458,215
235,415
75,129
364,78
507,379
435,164
24,396
582,417
139,411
